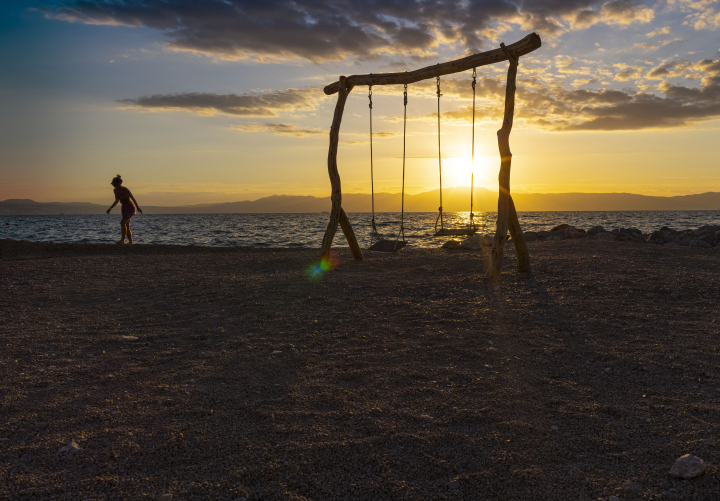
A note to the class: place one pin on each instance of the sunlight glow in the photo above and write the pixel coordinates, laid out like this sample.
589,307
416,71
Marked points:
460,169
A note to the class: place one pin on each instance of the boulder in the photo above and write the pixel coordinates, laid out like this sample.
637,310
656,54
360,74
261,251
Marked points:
452,244
531,236
656,237
561,227
698,242
574,233
595,230
687,467
473,242
605,236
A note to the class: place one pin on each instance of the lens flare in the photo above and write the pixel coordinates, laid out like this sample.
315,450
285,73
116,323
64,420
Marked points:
327,263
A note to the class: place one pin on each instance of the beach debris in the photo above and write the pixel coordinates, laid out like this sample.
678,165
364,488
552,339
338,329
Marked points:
128,339
452,244
633,487
687,467
70,448
276,352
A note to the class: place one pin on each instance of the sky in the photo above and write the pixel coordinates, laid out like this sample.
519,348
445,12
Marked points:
221,100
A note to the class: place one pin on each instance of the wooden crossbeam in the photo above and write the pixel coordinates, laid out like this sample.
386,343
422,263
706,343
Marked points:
519,48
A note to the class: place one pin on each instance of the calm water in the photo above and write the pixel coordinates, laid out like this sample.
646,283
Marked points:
306,230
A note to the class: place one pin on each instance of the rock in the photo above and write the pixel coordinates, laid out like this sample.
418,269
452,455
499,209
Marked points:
633,487
165,497
554,428
454,485
452,244
70,448
613,498
572,232
561,227
698,242
128,339
687,466
605,236
473,242
595,230
487,240
531,236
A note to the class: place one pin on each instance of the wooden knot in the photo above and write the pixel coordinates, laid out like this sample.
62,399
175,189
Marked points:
511,58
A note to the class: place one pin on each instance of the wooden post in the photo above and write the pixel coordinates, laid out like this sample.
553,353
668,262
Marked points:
507,216
337,214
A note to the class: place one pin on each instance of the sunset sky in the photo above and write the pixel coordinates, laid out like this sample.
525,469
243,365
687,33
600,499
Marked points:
221,100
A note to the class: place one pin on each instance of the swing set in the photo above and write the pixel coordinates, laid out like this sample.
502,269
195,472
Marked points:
507,216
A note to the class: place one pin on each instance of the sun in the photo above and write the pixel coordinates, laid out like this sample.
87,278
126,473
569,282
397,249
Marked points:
462,170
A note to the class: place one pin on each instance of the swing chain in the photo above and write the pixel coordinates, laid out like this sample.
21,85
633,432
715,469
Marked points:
438,86
474,75
370,96
405,96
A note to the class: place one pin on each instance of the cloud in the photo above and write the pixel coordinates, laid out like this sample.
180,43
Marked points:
654,46
555,108
660,31
670,69
267,104
621,12
325,30
628,72
280,129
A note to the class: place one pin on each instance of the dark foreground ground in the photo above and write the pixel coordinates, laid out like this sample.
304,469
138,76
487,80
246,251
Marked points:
404,376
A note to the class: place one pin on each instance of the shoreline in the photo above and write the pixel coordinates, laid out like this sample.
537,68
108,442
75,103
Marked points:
231,373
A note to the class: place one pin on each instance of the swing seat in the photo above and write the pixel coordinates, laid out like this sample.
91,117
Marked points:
384,245
446,232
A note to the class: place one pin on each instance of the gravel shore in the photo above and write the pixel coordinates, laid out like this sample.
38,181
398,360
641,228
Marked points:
239,373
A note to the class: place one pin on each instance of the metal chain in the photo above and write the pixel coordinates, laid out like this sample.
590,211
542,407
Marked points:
373,230
474,79
402,203
440,209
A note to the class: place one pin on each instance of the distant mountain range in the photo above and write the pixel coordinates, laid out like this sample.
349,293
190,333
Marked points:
454,200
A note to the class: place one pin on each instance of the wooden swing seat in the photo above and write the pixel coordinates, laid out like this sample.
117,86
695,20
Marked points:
446,232
385,245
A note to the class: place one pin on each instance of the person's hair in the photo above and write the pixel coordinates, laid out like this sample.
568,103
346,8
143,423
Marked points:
117,181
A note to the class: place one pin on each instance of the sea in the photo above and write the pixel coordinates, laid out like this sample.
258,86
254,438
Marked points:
307,230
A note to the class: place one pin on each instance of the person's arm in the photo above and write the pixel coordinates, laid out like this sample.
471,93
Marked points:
113,205
135,202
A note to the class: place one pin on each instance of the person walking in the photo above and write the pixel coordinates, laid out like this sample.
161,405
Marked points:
127,208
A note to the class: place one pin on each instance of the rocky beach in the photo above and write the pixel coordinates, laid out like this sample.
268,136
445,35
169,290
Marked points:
192,373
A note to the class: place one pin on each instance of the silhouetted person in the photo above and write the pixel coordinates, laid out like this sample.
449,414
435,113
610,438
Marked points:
127,208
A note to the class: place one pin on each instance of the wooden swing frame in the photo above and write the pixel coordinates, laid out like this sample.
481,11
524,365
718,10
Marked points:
507,215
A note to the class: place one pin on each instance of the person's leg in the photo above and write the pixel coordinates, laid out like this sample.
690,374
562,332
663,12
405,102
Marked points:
123,229
128,232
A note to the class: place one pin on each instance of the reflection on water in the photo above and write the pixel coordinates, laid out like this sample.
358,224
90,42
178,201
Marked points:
306,230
